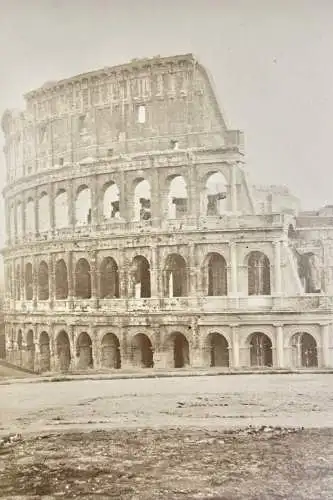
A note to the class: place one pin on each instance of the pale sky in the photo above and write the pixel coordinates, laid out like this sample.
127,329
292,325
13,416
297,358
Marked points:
271,61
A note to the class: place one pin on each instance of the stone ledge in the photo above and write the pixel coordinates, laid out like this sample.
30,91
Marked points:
151,373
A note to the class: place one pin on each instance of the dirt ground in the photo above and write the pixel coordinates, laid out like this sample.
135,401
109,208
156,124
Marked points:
170,464
179,438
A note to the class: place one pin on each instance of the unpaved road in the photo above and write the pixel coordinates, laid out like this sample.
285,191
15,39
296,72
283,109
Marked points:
168,438
209,402
170,464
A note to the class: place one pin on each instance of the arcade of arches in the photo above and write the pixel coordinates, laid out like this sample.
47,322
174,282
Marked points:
82,206
52,279
174,350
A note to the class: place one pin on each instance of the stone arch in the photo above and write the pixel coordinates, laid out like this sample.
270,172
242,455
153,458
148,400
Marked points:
309,271
110,352
292,235
28,281
215,275
218,349
43,281
30,216
30,351
261,353
304,350
84,351
111,201
142,200
82,279
61,280
61,209
83,206
63,351
109,279
178,347
18,282
175,276
140,275
177,198
44,350
259,274
214,199
142,351
44,222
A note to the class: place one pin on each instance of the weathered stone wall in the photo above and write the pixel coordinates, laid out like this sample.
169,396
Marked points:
100,273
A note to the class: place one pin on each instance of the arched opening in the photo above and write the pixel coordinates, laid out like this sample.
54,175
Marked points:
140,273
260,350
30,217
19,347
175,276
178,198
63,351
304,351
142,351
180,349
61,209
259,279
83,206
19,219
44,213
219,350
292,235
30,358
111,207
142,205
309,272
43,281
84,351
18,282
28,281
82,280
44,348
109,279
214,198
61,280
217,277
110,351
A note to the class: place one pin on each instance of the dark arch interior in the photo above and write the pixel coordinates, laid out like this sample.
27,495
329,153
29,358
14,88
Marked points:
261,350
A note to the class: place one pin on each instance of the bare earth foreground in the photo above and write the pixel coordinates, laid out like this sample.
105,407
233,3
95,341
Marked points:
174,438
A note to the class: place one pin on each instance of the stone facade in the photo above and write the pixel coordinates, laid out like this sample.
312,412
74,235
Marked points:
135,239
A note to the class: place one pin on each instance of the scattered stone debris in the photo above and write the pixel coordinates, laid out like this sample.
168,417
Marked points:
10,439
170,463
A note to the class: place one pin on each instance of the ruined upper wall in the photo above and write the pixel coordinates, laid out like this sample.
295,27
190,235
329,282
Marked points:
147,105
276,199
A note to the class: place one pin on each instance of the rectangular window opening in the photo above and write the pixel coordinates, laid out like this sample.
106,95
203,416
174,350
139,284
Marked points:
142,114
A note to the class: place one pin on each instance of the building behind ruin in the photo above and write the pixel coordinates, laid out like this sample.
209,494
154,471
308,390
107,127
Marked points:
135,239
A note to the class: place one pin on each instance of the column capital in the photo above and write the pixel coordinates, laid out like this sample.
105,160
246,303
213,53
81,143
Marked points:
278,324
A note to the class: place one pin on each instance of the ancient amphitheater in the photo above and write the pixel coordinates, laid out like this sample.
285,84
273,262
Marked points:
134,237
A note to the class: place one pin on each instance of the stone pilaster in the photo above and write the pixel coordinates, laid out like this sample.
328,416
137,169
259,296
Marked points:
235,346
233,269
277,268
325,354
233,188
279,345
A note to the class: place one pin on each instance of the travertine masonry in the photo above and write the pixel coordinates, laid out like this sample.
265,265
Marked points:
134,238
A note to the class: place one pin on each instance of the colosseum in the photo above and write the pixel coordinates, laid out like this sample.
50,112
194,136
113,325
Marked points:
135,239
